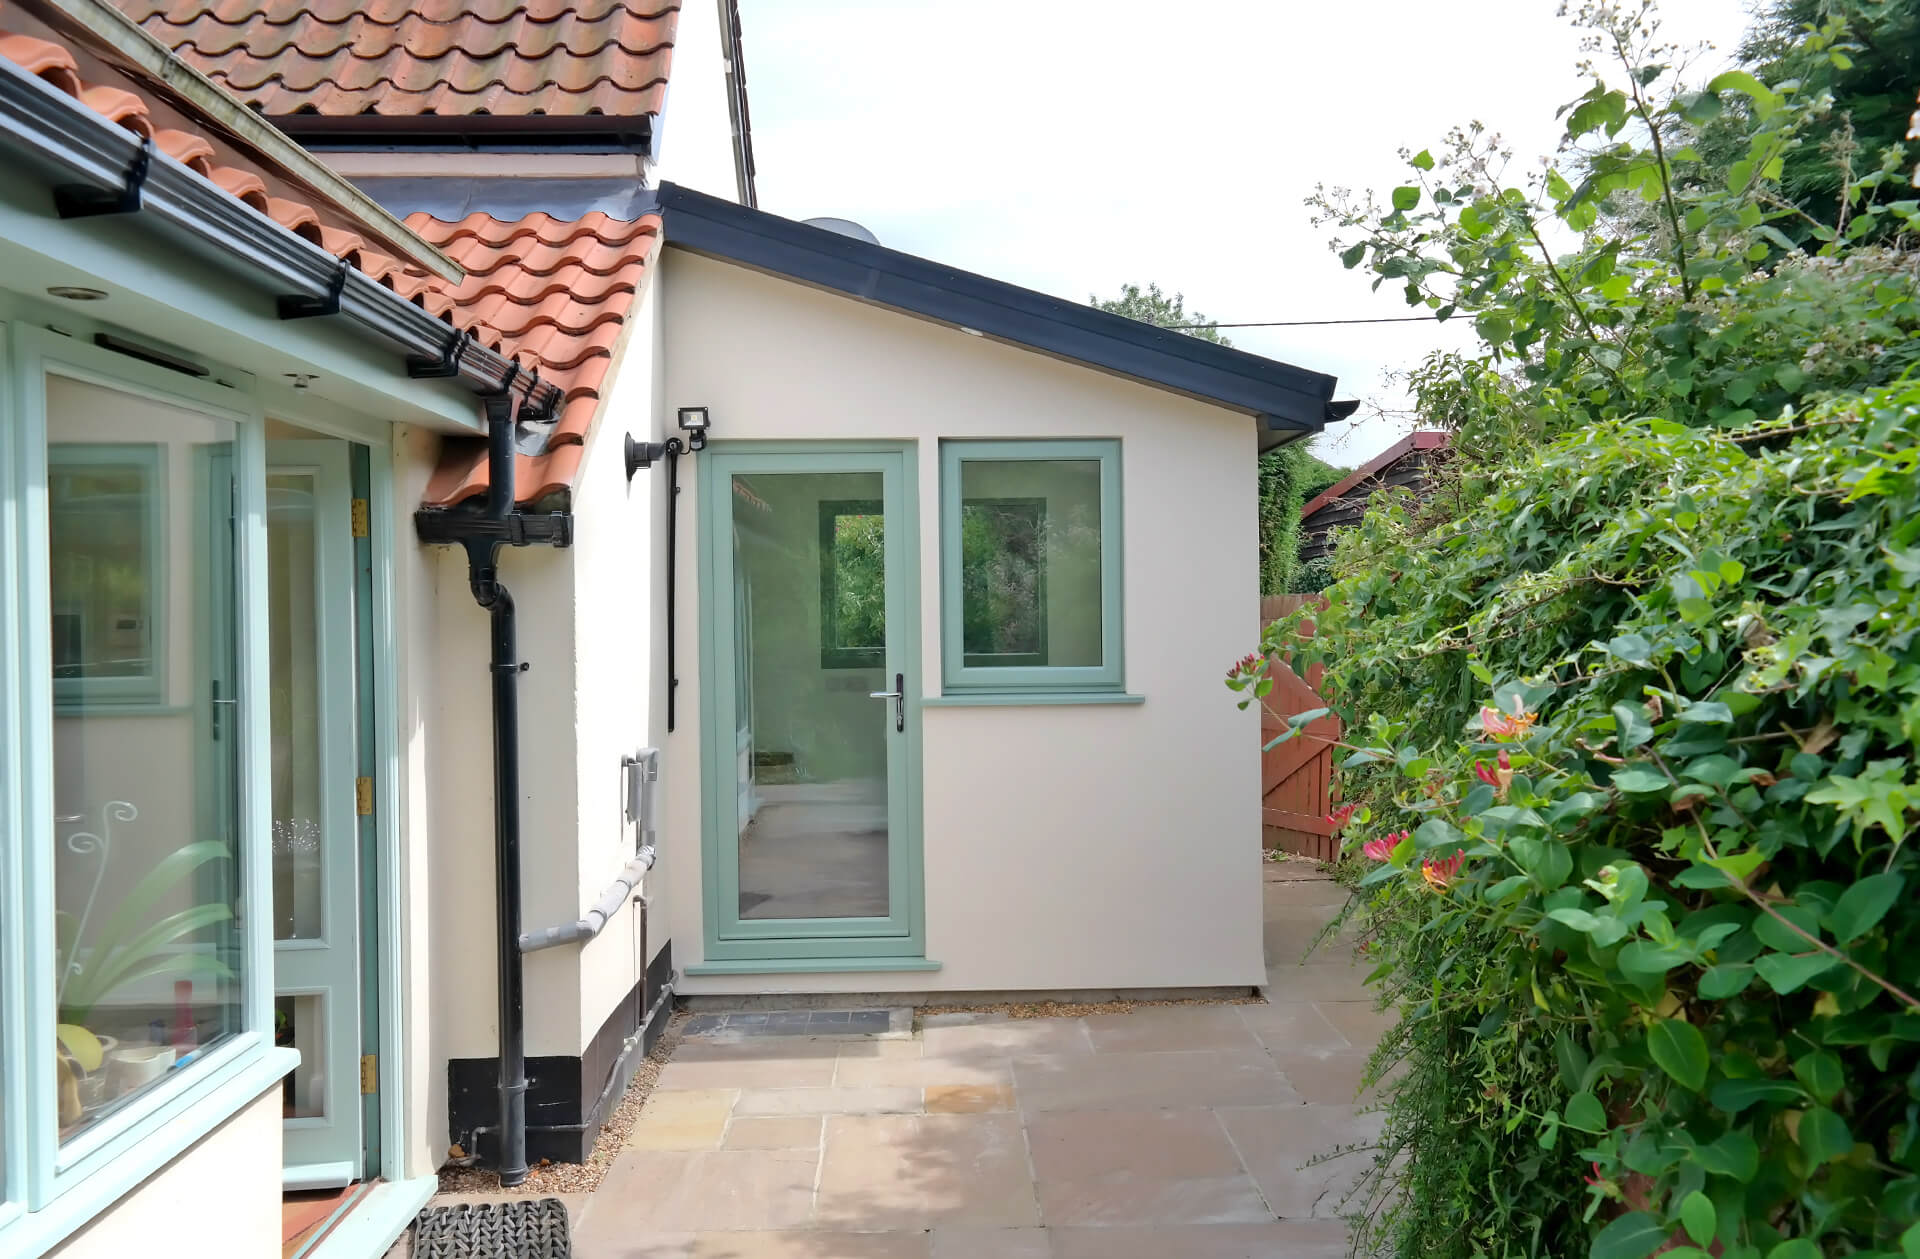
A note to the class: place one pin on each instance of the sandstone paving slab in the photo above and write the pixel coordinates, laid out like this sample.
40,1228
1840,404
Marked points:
773,1132
811,1244
1282,1239
1117,1081
1172,1027
828,1101
1295,1027
991,1243
995,1040
1114,1168
672,1191
890,1172
1284,1148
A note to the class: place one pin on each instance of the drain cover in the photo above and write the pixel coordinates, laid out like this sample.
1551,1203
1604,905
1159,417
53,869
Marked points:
527,1229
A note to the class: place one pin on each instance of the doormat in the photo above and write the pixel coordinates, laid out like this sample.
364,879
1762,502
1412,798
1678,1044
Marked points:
529,1228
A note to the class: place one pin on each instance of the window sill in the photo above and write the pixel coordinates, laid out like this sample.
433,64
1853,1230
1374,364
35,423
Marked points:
37,1232
1017,699
811,965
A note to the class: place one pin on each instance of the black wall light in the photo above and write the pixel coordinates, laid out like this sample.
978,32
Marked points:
694,422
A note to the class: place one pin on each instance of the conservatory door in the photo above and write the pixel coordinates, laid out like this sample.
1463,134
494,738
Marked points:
812,841
311,628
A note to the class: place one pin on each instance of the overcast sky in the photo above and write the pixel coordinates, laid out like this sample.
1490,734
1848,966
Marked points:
1073,146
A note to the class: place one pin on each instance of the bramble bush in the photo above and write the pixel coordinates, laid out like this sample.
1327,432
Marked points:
1633,704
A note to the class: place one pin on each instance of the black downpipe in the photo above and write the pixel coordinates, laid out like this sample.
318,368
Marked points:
506,668
674,448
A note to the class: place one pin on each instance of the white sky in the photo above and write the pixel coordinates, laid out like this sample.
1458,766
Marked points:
1073,146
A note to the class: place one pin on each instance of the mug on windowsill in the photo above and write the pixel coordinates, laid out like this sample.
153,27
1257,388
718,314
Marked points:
133,1068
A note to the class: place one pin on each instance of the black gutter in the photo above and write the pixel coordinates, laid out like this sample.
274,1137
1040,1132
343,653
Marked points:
498,523
1290,402
477,133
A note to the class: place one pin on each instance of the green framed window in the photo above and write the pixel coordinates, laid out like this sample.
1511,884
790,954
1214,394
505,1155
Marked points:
134,991
853,584
1030,547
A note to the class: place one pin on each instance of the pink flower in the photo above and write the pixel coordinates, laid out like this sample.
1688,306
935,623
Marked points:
1500,726
1382,849
1440,873
1338,818
1499,779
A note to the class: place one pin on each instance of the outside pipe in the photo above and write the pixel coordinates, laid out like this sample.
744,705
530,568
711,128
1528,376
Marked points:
603,910
84,147
491,594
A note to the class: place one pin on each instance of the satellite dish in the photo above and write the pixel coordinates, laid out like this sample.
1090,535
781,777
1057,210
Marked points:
845,227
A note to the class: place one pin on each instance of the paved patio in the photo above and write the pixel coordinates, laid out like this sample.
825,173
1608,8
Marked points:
1164,1131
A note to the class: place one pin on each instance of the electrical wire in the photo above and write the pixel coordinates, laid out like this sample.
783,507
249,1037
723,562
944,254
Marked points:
1302,323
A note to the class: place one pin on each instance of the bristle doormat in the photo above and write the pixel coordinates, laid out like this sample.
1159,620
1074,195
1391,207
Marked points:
534,1228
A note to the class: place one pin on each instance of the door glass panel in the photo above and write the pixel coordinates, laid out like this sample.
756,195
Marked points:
146,833
298,840
810,645
300,1022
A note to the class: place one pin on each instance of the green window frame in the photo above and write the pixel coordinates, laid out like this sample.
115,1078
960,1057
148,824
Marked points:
1021,671
50,1187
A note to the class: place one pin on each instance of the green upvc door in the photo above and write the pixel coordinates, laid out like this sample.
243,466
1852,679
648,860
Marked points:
809,600
316,832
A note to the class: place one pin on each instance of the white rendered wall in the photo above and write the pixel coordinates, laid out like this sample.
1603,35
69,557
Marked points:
1065,847
220,1197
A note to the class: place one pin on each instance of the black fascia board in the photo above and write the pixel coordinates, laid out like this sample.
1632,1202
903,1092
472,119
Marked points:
1291,402
472,133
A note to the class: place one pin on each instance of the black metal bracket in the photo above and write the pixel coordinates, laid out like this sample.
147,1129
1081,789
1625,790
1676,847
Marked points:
420,367
642,455
303,306
551,528
80,201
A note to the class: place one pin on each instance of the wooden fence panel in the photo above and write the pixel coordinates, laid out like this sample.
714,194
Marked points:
1296,777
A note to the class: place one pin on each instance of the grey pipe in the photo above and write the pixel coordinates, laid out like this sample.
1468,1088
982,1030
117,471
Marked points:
597,918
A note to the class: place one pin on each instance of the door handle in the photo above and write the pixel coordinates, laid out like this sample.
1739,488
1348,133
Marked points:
899,697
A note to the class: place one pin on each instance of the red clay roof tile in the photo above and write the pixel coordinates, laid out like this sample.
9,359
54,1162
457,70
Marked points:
558,295
553,294
401,58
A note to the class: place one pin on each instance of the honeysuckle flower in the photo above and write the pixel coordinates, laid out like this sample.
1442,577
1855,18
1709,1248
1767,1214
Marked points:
1499,725
1381,849
1244,665
1338,818
1499,778
1441,872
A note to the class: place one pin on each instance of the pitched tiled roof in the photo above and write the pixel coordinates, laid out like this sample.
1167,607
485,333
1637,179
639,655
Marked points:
558,295
406,58
553,294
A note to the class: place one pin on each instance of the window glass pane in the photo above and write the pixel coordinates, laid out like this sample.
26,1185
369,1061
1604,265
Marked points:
293,634
1030,562
145,842
104,503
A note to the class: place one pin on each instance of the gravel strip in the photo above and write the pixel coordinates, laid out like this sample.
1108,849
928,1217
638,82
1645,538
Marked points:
1073,1010
546,1177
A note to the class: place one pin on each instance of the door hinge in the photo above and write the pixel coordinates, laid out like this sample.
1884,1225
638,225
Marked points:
369,1074
363,796
362,526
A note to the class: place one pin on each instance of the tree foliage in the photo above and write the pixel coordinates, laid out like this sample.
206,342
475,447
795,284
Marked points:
1634,700
1288,476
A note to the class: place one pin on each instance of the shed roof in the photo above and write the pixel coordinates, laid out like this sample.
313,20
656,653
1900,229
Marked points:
1290,402
362,59
1426,439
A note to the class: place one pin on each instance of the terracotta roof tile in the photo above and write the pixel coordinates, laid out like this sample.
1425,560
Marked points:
557,294
341,58
552,293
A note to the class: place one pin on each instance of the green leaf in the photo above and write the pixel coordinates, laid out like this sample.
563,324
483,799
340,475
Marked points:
1763,98
1823,1135
1406,197
1734,1154
1311,715
1632,648
1546,861
1710,711
1579,919
1910,1242
1718,983
1798,1248
1699,1218
1735,1096
1639,782
1631,725
1350,258
1585,1113
1863,905
1821,1072
1787,972
1423,160
1634,1235
1680,1050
